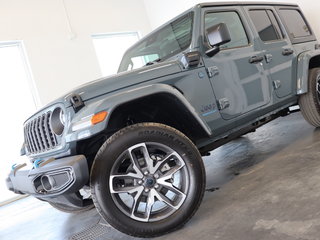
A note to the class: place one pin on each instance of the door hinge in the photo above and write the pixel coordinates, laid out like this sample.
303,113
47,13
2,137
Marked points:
213,71
276,84
268,58
223,103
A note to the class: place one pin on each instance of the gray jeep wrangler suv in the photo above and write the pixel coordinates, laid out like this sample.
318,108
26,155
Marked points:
131,144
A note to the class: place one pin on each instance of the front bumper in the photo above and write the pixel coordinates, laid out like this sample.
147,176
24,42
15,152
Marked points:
58,177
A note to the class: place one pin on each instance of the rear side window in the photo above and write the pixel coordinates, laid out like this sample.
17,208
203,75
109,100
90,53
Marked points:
232,20
266,25
297,26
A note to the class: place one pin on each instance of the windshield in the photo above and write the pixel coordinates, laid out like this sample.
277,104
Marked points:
166,42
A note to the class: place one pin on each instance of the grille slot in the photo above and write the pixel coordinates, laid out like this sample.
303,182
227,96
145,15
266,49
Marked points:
38,134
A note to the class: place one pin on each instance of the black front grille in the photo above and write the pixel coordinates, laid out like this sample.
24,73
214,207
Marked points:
38,134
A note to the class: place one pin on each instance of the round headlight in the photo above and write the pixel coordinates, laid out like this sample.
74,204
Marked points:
57,121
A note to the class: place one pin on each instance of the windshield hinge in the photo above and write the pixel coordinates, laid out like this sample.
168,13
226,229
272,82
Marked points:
190,59
213,71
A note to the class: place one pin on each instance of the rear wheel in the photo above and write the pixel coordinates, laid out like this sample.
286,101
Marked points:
310,102
147,180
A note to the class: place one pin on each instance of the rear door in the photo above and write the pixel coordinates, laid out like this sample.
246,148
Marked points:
276,46
236,73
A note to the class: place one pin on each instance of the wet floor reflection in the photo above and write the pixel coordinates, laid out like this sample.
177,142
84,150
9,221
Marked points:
233,158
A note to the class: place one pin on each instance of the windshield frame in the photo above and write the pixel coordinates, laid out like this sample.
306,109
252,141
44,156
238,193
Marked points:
123,67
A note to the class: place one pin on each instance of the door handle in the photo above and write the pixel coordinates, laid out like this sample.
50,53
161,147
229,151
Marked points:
287,52
255,59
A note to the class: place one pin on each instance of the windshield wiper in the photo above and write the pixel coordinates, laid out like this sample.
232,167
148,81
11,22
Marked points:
153,62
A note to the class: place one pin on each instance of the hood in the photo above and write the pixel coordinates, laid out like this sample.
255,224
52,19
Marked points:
120,81
117,82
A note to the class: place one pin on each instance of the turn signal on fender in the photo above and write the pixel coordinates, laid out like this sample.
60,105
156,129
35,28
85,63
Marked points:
98,117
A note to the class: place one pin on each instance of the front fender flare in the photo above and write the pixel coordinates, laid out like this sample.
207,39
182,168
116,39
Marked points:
111,102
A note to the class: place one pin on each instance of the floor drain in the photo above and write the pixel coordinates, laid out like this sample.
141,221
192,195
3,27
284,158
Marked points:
212,189
92,233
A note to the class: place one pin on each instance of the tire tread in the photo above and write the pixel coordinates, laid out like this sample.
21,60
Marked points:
122,132
308,102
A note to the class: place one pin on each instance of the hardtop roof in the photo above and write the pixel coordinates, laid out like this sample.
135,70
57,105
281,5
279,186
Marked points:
212,4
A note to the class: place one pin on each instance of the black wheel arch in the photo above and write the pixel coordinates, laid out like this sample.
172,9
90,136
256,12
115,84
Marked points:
314,62
164,108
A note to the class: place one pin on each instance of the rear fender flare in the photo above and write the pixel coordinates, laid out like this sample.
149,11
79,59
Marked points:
303,70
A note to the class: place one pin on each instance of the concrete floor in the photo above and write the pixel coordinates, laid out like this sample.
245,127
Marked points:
267,186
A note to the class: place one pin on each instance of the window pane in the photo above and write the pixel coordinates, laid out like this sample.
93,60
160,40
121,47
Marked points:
18,102
275,23
264,26
296,25
232,20
110,49
164,43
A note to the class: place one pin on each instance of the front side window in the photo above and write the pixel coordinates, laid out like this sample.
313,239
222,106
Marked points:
266,25
297,26
232,20
166,42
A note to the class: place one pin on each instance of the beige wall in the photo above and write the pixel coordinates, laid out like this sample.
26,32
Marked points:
61,52
61,59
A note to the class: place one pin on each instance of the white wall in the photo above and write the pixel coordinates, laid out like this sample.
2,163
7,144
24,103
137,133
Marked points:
61,60
62,57
160,11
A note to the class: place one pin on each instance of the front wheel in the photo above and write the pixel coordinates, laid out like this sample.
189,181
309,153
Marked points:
147,180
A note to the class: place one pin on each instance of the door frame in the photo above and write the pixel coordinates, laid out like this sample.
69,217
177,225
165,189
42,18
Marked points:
266,46
253,44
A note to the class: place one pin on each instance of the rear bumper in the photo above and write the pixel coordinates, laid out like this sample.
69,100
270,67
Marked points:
59,177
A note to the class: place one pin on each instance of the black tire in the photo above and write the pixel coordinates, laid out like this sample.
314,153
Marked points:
310,102
112,153
69,209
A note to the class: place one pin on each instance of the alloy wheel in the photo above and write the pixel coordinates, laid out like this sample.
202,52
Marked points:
149,182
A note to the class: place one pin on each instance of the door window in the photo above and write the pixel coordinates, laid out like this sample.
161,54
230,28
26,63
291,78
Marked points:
296,25
232,20
266,25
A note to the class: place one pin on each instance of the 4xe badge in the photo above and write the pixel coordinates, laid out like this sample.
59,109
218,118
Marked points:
207,110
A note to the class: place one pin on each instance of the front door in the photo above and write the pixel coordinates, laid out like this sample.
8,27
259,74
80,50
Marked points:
237,73
278,53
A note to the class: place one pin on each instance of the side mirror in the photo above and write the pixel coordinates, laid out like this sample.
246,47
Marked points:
217,35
